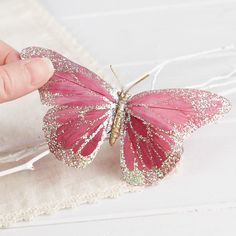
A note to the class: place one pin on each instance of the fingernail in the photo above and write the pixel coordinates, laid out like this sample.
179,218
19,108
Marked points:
49,64
40,69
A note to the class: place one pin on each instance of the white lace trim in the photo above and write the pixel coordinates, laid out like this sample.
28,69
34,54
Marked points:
72,202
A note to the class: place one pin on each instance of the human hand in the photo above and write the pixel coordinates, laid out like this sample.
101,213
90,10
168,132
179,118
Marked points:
20,77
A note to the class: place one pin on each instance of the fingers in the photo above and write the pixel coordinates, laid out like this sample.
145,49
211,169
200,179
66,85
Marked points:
7,54
24,76
20,77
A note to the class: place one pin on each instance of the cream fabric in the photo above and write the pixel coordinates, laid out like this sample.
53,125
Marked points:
52,185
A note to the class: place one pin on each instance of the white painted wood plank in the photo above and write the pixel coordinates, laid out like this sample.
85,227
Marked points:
75,8
155,35
215,223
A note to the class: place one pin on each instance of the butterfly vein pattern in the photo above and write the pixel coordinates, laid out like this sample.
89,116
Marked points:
151,125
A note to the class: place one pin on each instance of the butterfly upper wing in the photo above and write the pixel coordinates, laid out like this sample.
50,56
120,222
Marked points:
83,105
155,126
69,79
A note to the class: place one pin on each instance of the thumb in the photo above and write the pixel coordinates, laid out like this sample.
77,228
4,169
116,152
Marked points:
24,76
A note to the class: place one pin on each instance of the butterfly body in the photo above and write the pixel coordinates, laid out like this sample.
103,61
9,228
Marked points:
151,125
118,117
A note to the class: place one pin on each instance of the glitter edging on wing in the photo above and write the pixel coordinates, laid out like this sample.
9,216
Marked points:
69,72
76,140
144,160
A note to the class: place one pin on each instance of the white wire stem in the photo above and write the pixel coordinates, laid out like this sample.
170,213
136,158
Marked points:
158,68
23,153
208,84
26,166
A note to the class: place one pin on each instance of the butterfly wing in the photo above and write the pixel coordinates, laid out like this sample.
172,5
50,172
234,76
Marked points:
155,126
70,80
75,134
83,106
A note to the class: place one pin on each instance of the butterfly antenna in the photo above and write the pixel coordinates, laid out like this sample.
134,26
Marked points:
115,75
137,82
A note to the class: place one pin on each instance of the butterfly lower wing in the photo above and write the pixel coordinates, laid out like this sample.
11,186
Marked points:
75,135
70,79
155,126
148,153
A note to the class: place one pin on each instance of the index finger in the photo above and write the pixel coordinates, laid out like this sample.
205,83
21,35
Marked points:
7,54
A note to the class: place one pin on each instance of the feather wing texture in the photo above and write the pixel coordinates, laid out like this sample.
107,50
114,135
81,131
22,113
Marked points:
155,126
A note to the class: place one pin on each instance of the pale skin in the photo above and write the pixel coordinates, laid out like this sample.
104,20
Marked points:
20,77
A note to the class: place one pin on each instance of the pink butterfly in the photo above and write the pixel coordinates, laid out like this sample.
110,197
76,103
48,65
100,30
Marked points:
151,125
